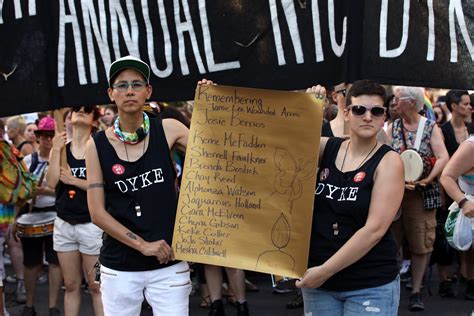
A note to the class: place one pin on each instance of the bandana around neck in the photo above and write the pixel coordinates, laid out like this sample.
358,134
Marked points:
132,138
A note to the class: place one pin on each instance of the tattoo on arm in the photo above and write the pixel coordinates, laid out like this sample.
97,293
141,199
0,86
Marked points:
131,235
95,185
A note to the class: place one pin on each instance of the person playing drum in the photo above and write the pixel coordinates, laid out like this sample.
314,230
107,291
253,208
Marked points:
33,246
418,216
132,196
76,239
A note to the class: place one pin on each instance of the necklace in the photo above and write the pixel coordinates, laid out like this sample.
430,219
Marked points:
126,152
345,154
135,137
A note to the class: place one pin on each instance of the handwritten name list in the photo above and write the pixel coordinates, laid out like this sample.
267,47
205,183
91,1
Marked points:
247,192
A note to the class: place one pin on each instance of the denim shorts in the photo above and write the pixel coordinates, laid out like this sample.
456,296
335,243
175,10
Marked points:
380,300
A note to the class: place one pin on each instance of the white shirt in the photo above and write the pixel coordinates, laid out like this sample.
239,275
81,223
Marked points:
41,200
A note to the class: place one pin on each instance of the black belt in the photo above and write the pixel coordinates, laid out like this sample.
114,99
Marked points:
73,221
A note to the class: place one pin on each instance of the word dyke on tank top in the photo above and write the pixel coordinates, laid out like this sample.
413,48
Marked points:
141,181
334,192
79,172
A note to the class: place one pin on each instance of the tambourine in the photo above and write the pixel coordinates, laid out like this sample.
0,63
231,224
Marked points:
413,165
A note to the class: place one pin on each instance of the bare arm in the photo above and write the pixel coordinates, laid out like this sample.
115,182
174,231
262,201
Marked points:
461,163
100,217
441,155
385,200
176,134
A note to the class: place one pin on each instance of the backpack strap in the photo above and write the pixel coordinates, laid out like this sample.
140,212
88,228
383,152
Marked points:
34,162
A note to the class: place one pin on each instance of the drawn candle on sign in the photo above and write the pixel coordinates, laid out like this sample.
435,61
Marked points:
280,235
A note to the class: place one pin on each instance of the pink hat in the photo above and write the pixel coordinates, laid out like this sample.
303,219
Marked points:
46,124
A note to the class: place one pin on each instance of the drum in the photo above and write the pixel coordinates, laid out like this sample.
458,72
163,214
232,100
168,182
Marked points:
413,165
35,224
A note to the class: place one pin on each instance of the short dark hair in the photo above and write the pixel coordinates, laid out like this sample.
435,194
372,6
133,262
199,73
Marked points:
365,87
454,96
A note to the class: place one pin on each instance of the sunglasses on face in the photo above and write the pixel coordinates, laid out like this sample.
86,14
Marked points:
44,134
87,109
359,110
136,86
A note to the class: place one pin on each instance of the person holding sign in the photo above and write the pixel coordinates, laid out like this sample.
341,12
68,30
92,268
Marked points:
76,240
458,181
353,267
420,143
132,197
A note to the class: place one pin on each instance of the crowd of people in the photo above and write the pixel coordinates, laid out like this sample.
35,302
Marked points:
102,175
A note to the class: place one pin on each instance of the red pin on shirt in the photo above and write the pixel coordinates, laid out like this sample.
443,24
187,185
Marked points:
359,176
71,194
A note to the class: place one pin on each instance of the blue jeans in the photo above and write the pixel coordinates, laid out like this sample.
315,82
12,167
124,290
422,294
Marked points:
380,300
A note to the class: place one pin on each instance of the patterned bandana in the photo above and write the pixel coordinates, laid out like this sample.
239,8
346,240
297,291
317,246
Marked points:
132,138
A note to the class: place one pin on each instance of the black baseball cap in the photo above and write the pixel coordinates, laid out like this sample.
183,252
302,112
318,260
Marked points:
129,62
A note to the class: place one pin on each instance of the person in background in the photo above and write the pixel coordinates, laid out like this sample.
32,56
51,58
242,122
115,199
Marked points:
455,131
418,217
36,248
30,135
441,102
458,181
16,126
391,111
26,142
352,264
110,113
76,240
7,216
441,118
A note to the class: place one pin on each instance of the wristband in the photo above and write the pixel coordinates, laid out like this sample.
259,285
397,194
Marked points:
462,202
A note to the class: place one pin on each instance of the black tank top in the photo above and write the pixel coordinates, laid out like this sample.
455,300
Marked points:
341,208
450,137
326,130
71,202
148,183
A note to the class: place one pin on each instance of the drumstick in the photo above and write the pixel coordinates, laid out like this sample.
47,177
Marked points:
412,187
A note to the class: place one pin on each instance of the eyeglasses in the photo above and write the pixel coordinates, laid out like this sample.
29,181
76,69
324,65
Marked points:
87,109
136,86
359,110
396,100
343,91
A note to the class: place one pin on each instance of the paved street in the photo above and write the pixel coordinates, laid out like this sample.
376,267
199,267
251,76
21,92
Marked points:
265,303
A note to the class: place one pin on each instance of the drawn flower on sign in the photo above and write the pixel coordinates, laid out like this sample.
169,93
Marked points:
291,174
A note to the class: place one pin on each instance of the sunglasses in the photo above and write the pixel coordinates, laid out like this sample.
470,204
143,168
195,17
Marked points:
396,100
136,86
343,91
359,110
46,134
87,109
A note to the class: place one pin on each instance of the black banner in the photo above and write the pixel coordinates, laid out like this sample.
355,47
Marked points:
56,53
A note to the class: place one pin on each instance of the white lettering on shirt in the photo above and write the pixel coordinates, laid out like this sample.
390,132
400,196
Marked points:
140,181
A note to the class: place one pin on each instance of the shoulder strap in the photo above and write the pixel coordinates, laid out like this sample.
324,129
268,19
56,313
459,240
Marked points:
419,133
330,151
34,161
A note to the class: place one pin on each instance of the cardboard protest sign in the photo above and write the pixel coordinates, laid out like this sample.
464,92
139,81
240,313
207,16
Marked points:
246,197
